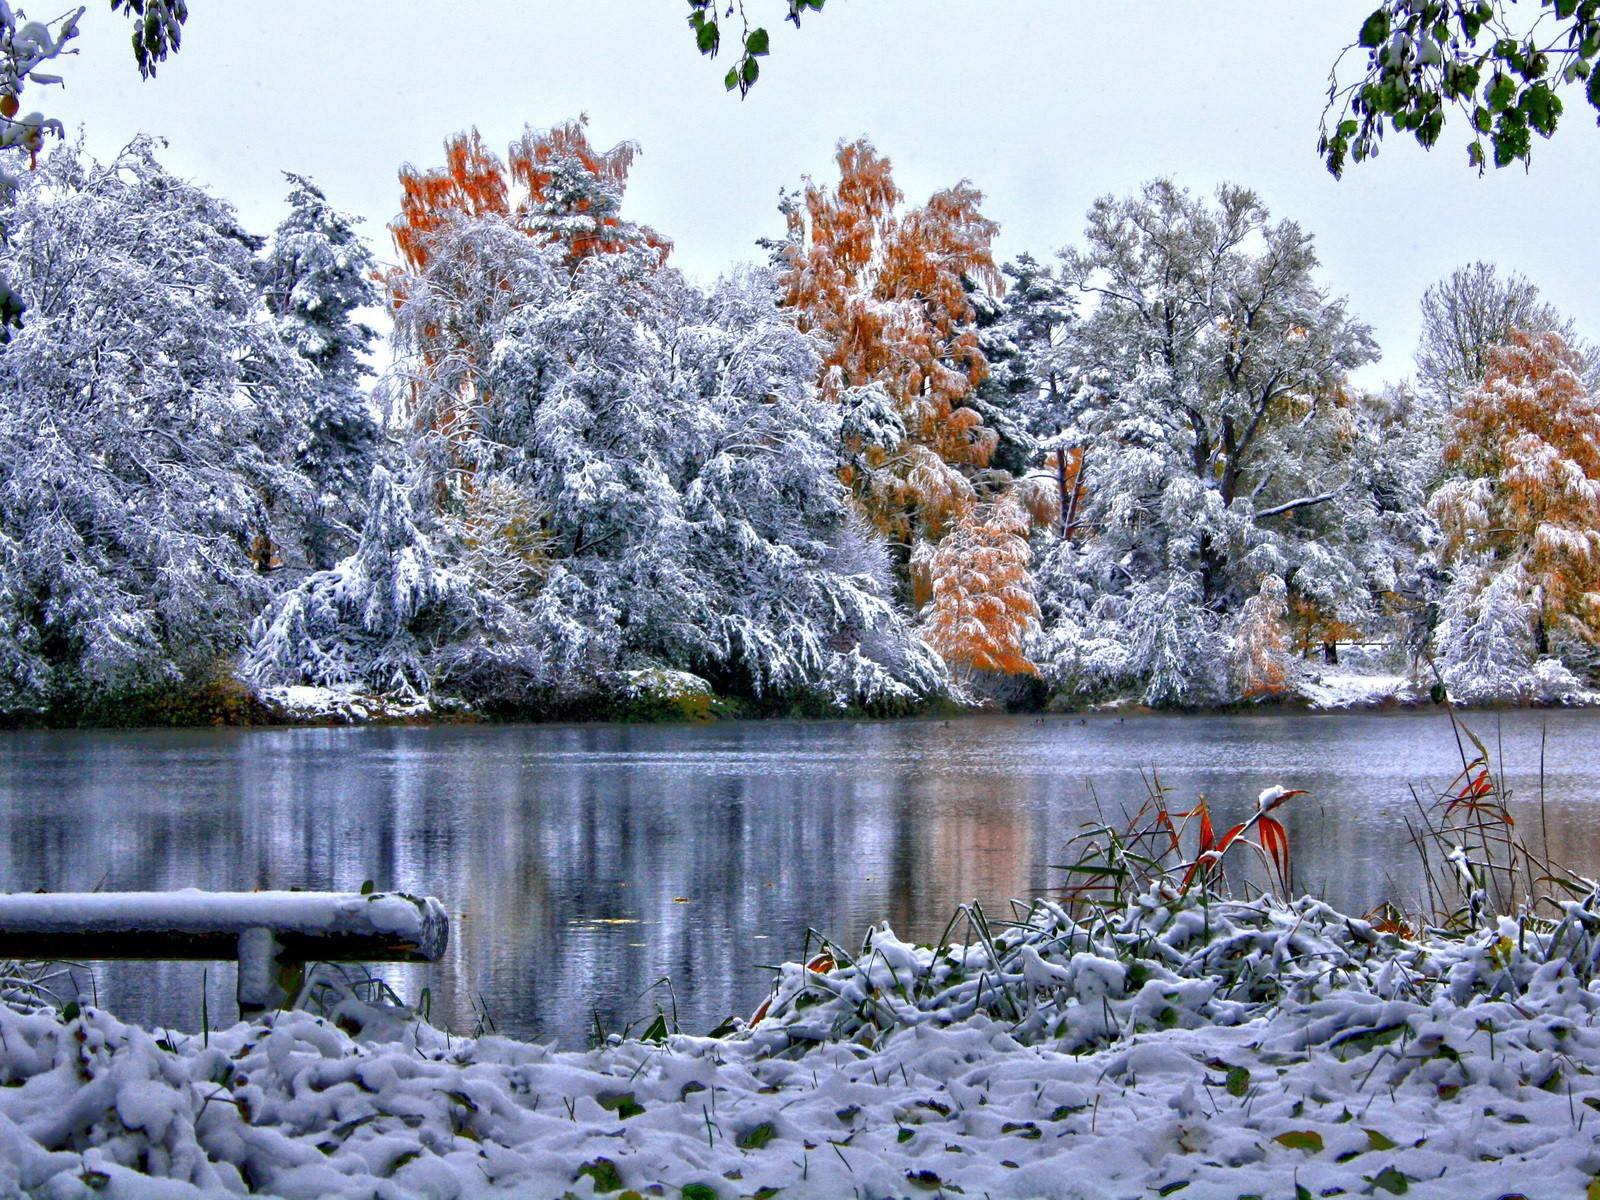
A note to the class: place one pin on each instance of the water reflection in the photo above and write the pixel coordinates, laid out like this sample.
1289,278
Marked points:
583,864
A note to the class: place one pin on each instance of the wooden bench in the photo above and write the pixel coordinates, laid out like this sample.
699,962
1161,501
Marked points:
272,935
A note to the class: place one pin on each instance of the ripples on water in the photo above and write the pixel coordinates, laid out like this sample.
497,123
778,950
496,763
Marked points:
581,864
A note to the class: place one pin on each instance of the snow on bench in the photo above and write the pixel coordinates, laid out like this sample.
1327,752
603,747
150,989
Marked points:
272,935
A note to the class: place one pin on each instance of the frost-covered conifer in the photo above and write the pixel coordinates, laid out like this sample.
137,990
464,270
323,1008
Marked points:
1486,637
149,413
1033,387
371,624
317,273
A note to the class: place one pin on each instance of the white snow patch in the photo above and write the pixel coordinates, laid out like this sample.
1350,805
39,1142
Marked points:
303,703
1328,690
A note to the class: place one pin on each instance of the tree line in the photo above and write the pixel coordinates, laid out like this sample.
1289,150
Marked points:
874,471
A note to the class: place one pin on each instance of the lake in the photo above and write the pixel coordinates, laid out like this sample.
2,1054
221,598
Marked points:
582,864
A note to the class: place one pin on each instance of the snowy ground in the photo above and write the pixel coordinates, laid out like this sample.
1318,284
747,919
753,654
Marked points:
1457,1069
1332,691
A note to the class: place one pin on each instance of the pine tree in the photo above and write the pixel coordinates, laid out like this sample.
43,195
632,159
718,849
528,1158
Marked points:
317,274
1032,390
372,623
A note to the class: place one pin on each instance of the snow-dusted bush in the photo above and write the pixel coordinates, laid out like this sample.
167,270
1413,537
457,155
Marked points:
1485,642
149,414
371,623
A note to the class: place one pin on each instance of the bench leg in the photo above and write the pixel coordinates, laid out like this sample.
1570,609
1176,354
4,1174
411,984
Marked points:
261,973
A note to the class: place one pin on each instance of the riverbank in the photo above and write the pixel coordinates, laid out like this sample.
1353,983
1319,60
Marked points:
1443,1068
665,696
1321,693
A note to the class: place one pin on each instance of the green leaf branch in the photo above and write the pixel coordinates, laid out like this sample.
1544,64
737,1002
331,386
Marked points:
1500,63
708,17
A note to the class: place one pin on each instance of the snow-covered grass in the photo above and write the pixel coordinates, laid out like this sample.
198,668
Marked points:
1196,1045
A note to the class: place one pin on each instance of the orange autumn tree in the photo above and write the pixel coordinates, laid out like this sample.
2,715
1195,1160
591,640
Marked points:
552,187
981,610
1524,453
888,293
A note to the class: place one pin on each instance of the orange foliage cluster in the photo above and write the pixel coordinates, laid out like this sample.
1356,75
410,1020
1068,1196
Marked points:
1526,445
569,192
980,605
887,293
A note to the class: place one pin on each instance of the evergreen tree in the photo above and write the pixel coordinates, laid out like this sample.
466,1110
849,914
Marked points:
317,274
1031,390
372,623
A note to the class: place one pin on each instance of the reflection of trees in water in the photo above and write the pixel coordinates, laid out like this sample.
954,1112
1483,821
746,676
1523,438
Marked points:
537,839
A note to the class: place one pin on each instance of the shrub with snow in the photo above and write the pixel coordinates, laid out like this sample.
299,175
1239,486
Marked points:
372,623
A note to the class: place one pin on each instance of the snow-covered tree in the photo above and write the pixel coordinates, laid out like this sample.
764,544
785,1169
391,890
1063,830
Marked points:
373,623
1218,444
1523,487
1472,311
673,467
555,190
1033,384
1263,667
980,610
150,416
317,273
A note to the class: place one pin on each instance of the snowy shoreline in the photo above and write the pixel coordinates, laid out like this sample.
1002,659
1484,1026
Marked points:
1322,694
1234,1048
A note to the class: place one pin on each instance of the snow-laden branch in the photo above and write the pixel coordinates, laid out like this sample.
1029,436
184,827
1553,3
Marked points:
1291,505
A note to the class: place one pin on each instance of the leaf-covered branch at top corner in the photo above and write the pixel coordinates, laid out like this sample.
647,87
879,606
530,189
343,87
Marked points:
157,29
1501,63
707,18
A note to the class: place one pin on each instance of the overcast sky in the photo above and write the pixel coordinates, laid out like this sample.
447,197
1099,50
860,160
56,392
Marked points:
1043,104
